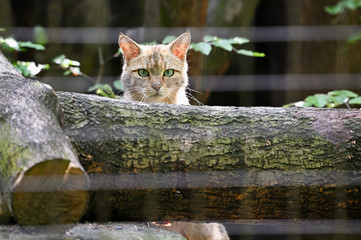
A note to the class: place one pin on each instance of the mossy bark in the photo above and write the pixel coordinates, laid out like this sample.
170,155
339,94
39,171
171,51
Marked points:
42,180
151,162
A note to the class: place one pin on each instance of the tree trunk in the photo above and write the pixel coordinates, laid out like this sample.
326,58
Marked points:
42,180
152,162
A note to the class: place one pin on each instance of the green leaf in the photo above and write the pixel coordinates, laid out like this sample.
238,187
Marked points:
59,59
202,47
335,10
346,93
342,6
65,62
298,104
317,100
147,43
23,69
168,39
356,37
352,4
31,45
338,100
40,35
75,71
209,38
12,44
104,90
250,53
239,40
103,93
2,29
118,84
30,69
224,43
355,101
95,87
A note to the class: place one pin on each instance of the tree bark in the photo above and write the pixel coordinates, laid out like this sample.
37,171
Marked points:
42,181
152,162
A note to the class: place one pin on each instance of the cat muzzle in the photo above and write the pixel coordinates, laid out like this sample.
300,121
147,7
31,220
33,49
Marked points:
156,87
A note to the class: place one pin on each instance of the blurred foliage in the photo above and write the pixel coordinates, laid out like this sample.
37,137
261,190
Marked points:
333,99
31,69
341,8
336,98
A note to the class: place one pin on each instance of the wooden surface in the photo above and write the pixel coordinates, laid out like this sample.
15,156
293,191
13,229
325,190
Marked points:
156,162
42,180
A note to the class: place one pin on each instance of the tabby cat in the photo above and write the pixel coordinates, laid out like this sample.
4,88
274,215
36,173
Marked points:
155,73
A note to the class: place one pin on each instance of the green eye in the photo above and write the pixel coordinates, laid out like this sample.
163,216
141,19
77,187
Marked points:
168,73
143,72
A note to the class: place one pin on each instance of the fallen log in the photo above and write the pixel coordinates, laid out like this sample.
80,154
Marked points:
157,161
42,181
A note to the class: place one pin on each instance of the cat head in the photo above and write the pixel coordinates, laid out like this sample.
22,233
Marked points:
155,73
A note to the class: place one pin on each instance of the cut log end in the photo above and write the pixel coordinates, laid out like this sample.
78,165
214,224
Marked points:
50,192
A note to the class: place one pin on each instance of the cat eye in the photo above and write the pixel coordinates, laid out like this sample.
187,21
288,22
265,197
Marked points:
168,73
143,72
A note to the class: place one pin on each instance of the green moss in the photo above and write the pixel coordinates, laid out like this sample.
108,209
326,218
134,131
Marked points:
10,152
296,153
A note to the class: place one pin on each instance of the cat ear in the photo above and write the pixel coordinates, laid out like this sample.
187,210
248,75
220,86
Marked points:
179,47
130,48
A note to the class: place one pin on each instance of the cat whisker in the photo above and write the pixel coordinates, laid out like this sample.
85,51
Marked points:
193,90
138,94
144,98
190,96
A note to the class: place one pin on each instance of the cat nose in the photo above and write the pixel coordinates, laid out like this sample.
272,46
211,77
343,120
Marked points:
156,86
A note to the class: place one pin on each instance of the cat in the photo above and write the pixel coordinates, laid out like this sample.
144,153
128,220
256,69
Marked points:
198,230
155,73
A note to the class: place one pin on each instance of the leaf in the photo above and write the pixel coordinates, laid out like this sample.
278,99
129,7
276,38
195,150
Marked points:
202,47
40,35
75,71
335,10
352,4
355,101
23,69
346,93
224,43
31,45
338,100
239,40
29,69
250,53
168,39
104,90
59,59
65,62
317,100
105,94
209,38
12,44
118,84
2,29
147,43
342,5
356,37
95,87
